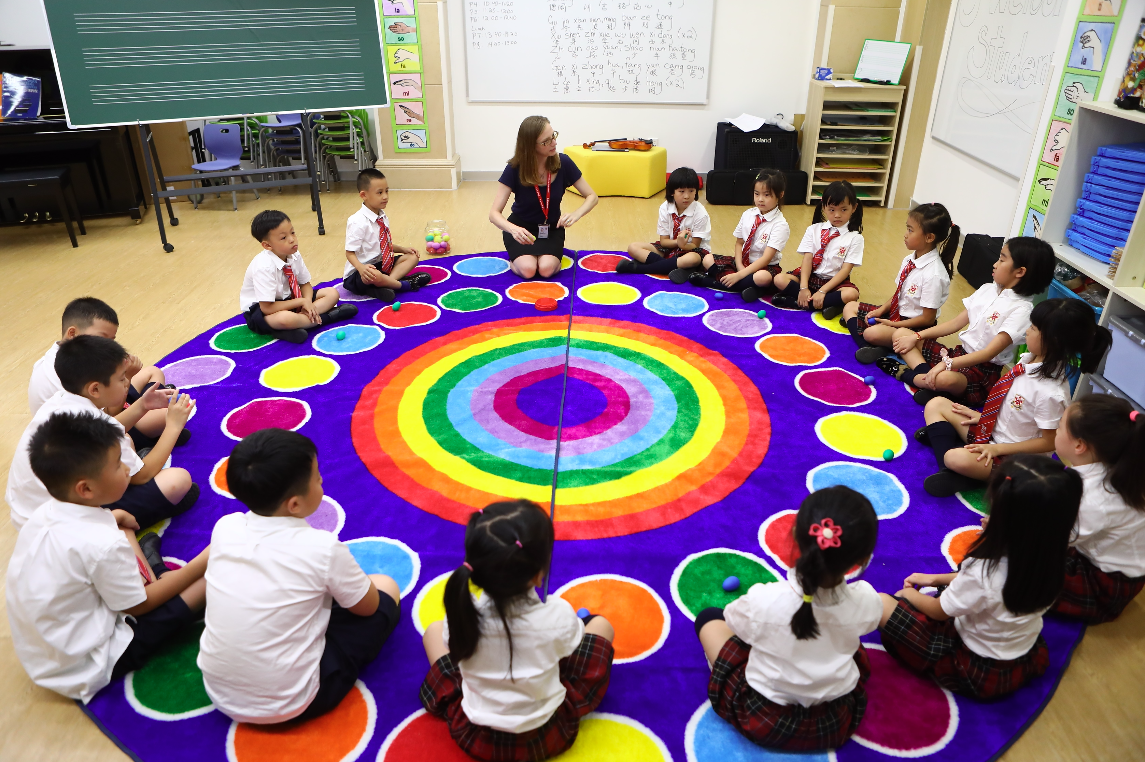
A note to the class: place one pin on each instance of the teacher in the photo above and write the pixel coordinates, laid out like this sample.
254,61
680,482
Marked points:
537,177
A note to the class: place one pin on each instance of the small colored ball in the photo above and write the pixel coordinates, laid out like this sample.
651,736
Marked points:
432,247
731,583
761,314
871,321
445,237
718,295
429,236
869,380
582,613
396,306
340,336
437,239
888,454
447,247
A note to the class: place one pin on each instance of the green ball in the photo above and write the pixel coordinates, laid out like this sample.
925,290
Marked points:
397,306
340,336
761,314
888,454
429,236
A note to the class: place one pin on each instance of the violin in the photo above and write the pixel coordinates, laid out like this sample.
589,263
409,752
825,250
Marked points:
623,144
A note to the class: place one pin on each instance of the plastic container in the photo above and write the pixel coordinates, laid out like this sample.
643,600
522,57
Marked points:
1125,364
1059,291
437,237
1106,215
1102,195
1089,246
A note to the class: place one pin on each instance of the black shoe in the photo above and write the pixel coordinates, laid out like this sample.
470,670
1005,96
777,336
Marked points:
340,312
700,279
417,280
677,276
184,438
869,355
750,294
293,335
626,266
891,367
843,322
923,396
922,437
830,313
784,302
150,545
383,294
188,500
946,482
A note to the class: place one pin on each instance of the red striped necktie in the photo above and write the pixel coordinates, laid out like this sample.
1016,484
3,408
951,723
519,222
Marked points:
295,289
825,237
745,255
386,244
980,432
894,316
677,219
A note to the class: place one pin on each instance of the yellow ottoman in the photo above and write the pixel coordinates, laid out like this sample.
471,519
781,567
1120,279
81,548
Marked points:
622,173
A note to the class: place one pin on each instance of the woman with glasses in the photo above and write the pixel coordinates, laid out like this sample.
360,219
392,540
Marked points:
537,177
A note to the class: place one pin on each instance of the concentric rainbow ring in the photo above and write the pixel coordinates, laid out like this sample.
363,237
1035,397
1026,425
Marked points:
679,427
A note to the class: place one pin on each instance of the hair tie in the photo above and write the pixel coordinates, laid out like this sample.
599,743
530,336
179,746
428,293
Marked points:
827,533
1133,416
1008,479
467,566
808,598
519,545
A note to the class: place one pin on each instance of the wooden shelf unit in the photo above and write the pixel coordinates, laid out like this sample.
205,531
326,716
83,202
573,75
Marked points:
825,102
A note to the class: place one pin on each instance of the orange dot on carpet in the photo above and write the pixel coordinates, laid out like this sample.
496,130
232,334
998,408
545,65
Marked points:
959,543
791,349
220,475
329,738
533,291
634,611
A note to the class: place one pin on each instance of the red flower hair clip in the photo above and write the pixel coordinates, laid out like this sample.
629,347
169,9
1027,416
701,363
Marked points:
827,534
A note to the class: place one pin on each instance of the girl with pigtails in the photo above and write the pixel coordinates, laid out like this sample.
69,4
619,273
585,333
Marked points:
511,675
788,670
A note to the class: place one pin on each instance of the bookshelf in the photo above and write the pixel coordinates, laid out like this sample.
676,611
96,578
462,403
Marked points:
849,133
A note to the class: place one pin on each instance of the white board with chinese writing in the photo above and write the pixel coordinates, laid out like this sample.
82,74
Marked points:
588,51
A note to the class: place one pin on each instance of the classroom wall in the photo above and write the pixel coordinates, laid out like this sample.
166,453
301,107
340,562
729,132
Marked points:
22,24
745,77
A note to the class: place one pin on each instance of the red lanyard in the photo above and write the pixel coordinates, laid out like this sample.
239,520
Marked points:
548,192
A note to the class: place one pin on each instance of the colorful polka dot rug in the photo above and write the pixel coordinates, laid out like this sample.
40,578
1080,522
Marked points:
693,425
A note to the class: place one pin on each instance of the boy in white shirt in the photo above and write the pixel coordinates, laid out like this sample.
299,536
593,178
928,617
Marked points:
293,618
91,316
276,297
83,607
93,371
375,265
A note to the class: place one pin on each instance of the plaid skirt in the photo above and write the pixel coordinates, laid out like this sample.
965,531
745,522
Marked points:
672,253
1092,595
936,649
584,675
791,727
980,378
722,265
815,282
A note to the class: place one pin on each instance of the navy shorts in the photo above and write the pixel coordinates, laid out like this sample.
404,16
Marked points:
139,439
146,502
256,321
152,630
352,642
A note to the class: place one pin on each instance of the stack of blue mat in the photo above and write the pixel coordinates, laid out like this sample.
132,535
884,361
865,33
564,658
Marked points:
1109,200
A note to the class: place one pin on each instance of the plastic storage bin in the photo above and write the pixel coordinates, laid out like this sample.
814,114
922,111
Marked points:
1060,291
1125,365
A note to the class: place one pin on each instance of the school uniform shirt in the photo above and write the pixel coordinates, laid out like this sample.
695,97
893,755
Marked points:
787,670
695,218
44,382
927,286
526,205
991,311
1032,404
847,248
71,576
264,280
543,634
25,492
363,237
987,627
1110,533
773,231
270,581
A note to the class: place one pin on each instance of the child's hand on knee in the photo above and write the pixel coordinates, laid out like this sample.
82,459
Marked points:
904,340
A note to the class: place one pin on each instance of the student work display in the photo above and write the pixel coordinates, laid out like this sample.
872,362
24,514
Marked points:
123,62
690,431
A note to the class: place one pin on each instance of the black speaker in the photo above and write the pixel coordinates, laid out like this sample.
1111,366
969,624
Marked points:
979,253
737,187
769,146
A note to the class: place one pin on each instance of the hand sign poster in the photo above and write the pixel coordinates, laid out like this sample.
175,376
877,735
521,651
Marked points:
400,23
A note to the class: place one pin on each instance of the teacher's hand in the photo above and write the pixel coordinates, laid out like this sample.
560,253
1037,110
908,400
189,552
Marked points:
567,220
521,236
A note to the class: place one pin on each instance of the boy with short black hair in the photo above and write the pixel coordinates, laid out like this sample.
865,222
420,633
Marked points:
77,575
270,574
93,372
375,265
276,297
94,317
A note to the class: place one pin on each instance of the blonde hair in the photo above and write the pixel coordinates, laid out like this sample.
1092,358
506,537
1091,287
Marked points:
525,157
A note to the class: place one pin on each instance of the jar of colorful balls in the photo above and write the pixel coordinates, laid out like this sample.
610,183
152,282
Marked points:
437,237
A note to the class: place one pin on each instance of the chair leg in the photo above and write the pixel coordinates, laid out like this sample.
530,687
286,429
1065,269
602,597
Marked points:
195,199
67,216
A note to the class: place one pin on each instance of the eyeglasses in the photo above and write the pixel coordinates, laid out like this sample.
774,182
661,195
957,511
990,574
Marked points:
551,140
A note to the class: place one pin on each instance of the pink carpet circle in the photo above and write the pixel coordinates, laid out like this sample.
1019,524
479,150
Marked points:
616,410
265,413
933,716
436,274
834,386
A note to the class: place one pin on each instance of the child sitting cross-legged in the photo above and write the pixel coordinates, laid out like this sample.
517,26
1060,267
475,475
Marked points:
293,619
684,227
83,605
1024,407
93,371
375,265
981,636
276,297
788,670
512,676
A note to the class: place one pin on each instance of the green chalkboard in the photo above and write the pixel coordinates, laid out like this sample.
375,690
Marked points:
128,61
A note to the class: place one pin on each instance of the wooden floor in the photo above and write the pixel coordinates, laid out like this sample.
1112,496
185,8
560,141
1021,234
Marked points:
163,300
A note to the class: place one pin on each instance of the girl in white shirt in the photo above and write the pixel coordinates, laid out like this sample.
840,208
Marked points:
788,670
683,225
982,636
511,675
831,247
993,323
1103,438
1025,406
921,286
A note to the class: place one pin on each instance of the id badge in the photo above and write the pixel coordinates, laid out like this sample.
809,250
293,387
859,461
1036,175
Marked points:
542,231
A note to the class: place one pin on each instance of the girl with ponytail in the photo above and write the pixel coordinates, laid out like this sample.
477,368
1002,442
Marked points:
788,670
921,286
981,636
1103,438
530,669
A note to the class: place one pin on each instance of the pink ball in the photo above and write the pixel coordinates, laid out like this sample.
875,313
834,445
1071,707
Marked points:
432,247
446,249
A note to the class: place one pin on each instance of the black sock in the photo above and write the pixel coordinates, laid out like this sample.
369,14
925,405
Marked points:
909,375
792,290
832,299
658,266
943,438
709,614
856,331
653,256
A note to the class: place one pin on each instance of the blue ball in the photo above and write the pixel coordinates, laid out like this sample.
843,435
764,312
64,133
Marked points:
731,583
871,321
582,613
718,295
869,380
